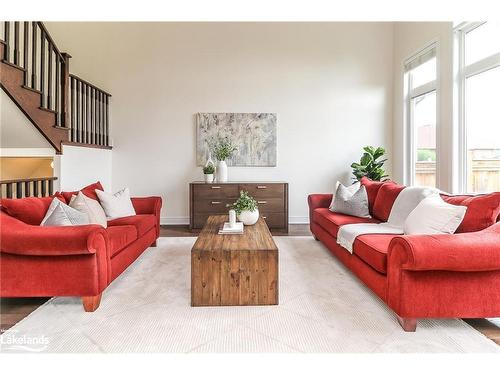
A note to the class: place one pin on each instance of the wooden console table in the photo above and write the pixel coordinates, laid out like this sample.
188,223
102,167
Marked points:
211,199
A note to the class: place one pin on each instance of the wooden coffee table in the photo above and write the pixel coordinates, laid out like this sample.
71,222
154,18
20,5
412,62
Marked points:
234,269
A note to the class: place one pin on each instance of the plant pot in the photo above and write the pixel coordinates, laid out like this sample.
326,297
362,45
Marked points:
209,178
249,217
221,171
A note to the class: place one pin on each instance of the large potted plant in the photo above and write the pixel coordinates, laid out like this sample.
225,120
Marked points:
223,149
246,209
370,164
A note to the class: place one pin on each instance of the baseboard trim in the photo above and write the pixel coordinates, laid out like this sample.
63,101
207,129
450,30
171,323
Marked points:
174,220
298,220
182,220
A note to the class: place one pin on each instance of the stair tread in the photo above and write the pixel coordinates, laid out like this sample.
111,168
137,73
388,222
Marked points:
14,65
31,89
47,110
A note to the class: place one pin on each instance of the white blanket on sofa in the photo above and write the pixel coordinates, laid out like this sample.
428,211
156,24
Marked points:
405,203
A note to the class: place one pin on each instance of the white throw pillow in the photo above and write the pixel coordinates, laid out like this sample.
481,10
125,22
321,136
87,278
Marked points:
89,206
434,216
60,214
116,205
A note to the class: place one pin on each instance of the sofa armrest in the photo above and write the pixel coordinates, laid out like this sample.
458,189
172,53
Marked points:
147,205
476,251
23,239
319,201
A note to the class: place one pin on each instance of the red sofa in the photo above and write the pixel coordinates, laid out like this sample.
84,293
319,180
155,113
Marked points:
69,261
421,276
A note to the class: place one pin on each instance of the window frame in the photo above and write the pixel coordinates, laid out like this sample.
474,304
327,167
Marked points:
411,93
462,72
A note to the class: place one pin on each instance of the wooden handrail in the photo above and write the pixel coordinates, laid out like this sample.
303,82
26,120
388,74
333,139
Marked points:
49,38
89,84
27,180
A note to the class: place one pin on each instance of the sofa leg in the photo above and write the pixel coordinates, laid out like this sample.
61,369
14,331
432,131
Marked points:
314,236
91,303
408,324
154,244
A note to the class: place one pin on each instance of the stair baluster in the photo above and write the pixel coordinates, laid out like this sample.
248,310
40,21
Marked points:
49,75
78,113
34,43
57,91
25,52
6,53
42,68
16,43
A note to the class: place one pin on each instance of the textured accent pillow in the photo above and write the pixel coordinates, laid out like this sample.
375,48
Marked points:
90,207
351,189
116,205
434,216
349,203
60,214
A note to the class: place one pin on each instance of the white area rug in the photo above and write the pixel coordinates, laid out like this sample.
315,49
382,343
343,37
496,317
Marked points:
323,308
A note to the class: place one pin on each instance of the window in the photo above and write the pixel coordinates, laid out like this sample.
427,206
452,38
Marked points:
420,108
478,83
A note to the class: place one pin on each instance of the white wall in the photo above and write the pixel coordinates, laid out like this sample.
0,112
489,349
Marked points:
330,84
16,131
410,38
81,166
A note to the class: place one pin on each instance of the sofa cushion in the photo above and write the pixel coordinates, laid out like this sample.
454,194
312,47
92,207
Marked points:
120,236
29,210
372,188
331,221
482,210
89,191
372,249
386,196
143,223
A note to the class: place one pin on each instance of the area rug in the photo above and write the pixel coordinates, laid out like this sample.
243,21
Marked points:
323,308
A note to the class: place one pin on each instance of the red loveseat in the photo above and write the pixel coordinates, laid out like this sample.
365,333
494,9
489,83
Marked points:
421,276
69,261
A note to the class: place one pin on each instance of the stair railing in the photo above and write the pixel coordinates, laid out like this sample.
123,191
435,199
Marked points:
27,187
78,105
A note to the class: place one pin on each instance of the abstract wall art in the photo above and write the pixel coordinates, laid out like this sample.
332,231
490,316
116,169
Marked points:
254,135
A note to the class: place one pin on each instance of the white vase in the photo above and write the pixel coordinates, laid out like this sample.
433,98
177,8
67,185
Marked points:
249,217
209,178
222,171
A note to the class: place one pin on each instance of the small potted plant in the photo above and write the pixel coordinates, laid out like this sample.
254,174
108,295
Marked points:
223,149
208,171
246,209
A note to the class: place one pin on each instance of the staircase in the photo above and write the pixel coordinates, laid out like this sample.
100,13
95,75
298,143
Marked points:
35,75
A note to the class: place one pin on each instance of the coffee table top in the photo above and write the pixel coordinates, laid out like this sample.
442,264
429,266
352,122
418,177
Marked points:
254,237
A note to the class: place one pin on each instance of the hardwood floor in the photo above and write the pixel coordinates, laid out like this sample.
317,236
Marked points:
13,310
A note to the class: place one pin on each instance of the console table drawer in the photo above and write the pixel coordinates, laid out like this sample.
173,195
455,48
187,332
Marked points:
275,220
215,191
264,190
212,206
270,204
